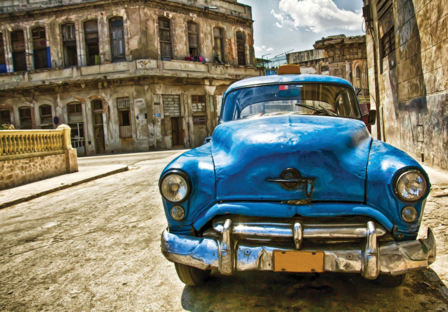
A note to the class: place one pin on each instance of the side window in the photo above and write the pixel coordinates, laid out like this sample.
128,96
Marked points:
117,39
193,40
92,42
40,53
165,38
241,48
69,44
18,50
2,56
25,118
218,46
124,117
46,118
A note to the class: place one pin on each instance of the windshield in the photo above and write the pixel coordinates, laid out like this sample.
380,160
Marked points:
293,99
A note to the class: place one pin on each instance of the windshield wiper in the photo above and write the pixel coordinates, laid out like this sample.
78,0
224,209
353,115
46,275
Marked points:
328,112
323,110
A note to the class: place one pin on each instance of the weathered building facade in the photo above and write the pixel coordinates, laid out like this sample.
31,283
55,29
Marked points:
124,75
407,44
339,56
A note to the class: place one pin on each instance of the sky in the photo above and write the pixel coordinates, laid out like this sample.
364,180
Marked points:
284,25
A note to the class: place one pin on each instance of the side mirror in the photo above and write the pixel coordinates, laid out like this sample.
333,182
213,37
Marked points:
372,117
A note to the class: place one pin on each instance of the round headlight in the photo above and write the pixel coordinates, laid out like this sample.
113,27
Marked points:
177,213
175,187
409,214
411,186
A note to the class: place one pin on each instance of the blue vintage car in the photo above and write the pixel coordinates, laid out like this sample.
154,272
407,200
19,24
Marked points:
292,181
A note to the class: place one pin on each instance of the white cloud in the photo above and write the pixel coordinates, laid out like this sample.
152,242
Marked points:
258,49
316,15
278,25
270,49
263,47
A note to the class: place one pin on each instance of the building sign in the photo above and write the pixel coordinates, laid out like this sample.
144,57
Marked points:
157,115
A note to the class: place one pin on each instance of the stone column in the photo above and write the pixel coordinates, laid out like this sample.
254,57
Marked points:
71,159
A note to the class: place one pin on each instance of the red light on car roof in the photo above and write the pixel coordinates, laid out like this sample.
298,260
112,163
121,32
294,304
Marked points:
284,88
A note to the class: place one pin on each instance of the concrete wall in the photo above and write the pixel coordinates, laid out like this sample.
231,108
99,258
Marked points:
15,172
411,82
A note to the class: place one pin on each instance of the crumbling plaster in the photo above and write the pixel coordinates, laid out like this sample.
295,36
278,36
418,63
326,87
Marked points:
413,80
143,77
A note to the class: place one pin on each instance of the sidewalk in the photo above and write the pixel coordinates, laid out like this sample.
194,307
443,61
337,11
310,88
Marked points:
90,168
33,190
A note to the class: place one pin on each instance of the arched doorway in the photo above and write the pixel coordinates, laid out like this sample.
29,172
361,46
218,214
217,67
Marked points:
98,127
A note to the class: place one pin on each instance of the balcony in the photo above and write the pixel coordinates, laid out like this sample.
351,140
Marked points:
123,70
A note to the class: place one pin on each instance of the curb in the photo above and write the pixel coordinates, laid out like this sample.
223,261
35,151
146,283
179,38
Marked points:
62,187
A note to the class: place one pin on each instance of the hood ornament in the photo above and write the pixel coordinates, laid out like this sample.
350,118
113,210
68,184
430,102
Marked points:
291,179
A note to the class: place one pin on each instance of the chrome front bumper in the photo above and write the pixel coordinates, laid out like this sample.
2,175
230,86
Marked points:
230,252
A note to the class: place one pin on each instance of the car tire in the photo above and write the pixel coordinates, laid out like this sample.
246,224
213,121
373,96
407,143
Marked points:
192,276
389,281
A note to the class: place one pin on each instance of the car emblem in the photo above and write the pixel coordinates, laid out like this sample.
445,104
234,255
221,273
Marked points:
291,179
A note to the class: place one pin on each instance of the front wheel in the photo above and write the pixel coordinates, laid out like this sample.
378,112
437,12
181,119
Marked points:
192,276
390,281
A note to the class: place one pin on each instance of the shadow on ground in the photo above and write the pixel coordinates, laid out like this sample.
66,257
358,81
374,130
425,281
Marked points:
267,291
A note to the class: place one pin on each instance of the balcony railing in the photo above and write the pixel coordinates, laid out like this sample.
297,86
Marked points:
123,70
125,132
16,144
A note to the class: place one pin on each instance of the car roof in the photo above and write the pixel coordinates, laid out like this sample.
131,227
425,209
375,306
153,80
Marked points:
279,79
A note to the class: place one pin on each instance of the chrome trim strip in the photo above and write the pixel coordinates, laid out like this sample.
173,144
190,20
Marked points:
309,230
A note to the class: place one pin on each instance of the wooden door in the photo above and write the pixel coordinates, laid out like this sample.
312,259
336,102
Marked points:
98,128
176,135
117,40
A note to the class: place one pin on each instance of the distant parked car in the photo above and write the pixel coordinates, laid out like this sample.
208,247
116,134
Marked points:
207,140
293,182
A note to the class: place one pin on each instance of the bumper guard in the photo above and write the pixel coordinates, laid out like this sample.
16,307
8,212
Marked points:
370,258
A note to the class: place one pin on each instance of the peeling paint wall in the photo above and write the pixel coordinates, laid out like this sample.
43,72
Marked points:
142,76
412,80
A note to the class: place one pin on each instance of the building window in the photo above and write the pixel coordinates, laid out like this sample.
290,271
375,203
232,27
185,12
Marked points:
69,43
92,42
193,40
165,38
18,50
124,117
117,39
2,56
46,118
388,42
198,104
40,54
358,77
218,46
5,117
241,48
200,121
25,118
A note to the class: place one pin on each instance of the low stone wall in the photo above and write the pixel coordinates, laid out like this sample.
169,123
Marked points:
31,155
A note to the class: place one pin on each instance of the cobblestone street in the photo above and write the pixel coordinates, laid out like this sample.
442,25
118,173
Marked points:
96,247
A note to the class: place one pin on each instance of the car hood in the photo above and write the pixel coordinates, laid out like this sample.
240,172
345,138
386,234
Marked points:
332,151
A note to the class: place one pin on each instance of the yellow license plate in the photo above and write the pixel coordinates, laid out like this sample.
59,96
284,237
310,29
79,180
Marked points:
299,261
